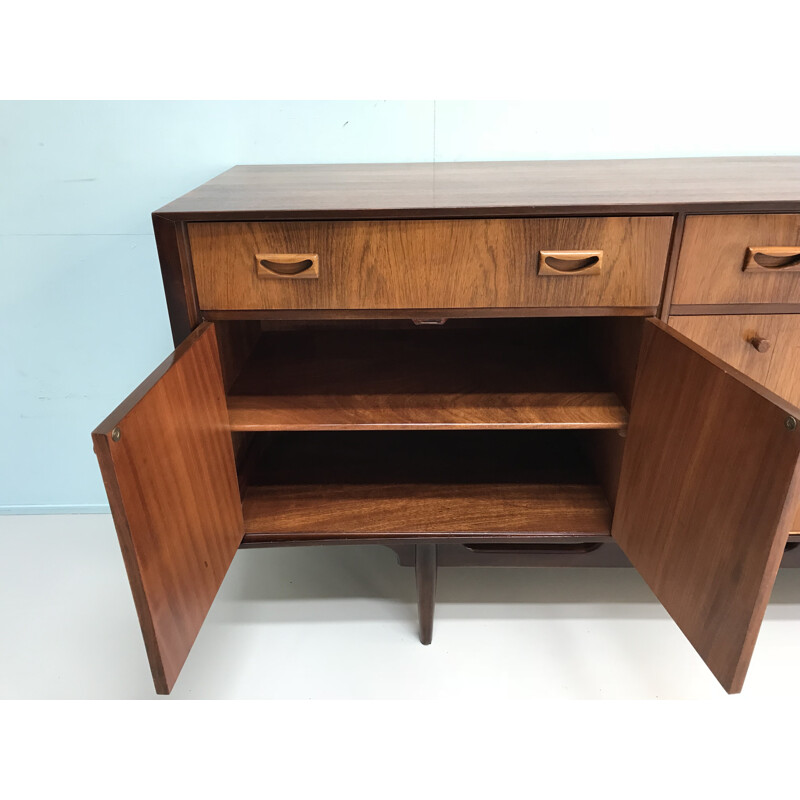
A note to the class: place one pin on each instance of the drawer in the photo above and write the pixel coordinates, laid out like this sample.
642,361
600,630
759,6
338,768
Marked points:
739,258
764,346
436,264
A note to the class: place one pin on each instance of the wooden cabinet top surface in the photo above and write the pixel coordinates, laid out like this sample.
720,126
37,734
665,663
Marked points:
665,185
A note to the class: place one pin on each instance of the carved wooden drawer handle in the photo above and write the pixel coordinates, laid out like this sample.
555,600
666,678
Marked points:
570,262
287,265
772,259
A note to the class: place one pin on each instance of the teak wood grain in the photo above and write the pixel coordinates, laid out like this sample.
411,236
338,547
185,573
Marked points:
346,511
497,376
705,498
663,185
732,337
167,463
235,340
417,264
177,276
544,411
713,254
540,312
335,485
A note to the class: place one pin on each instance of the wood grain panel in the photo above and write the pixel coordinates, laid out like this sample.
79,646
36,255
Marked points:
177,276
731,338
528,374
235,340
167,463
418,264
316,315
325,191
714,252
605,450
587,410
348,511
704,504
342,485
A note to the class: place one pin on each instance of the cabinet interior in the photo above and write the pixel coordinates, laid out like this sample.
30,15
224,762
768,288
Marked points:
471,429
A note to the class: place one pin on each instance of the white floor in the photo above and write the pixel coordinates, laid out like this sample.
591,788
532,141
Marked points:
341,623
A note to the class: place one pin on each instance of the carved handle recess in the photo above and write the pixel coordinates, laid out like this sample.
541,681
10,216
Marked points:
772,259
570,262
287,265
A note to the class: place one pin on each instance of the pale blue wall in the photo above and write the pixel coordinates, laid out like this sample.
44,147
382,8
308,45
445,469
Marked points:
82,312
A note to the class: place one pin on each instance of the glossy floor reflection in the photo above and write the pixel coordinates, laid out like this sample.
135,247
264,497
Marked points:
340,622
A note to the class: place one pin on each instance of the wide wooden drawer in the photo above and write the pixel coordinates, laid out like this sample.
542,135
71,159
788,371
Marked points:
739,258
614,262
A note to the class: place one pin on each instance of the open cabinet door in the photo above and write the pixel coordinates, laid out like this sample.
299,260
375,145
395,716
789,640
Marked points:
167,461
706,495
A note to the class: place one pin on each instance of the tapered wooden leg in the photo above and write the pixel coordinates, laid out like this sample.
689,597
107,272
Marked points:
425,568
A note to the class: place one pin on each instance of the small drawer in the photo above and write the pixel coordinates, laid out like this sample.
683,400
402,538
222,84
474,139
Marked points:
765,347
739,259
431,264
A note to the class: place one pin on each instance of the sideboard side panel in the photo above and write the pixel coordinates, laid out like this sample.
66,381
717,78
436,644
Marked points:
178,276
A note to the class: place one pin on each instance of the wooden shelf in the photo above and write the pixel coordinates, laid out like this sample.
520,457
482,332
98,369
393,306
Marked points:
372,485
333,511
437,379
431,412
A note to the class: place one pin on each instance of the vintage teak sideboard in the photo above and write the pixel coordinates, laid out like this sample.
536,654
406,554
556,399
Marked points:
546,363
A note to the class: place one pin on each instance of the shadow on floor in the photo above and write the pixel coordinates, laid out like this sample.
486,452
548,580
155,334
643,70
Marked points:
372,572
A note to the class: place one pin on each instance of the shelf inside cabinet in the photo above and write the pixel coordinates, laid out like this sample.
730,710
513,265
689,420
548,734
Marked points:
448,484
494,377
